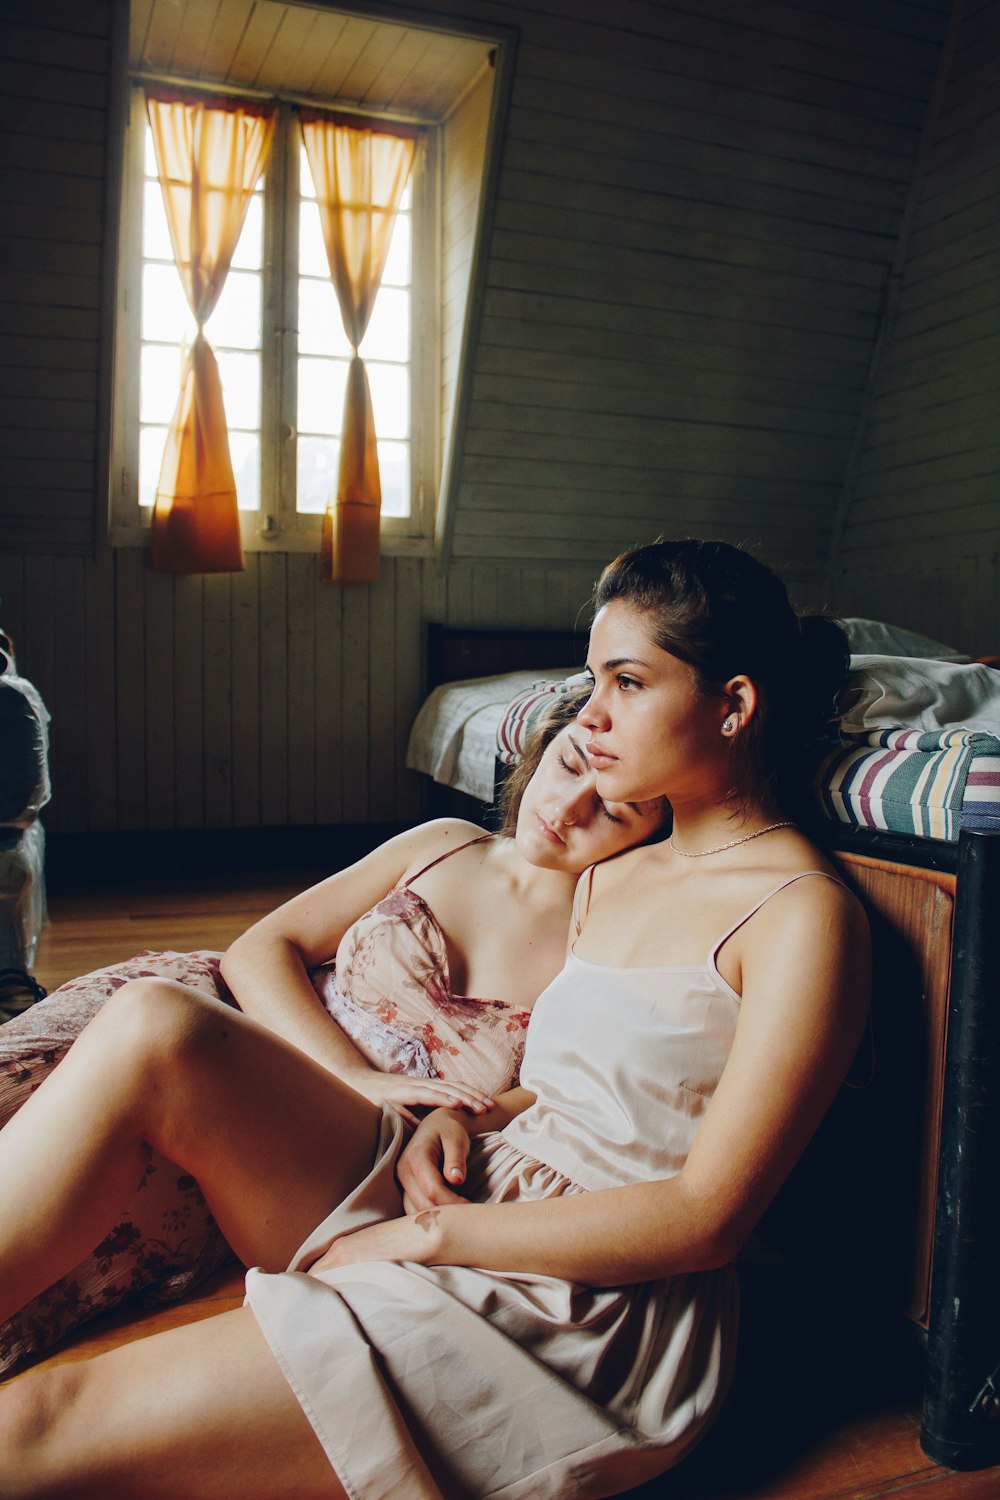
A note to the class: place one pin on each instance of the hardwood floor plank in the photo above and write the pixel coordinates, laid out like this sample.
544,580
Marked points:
220,1292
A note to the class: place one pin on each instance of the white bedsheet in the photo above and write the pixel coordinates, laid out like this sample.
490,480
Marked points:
454,736
899,692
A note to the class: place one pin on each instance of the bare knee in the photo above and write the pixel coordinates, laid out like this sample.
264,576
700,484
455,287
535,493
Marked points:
151,1041
36,1414
156,1019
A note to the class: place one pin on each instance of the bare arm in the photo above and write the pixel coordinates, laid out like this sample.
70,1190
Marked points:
267,968
805,995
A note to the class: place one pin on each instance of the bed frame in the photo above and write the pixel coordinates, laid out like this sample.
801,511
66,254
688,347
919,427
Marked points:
899,1195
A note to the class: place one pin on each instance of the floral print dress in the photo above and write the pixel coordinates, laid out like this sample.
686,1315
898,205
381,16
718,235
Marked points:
390,991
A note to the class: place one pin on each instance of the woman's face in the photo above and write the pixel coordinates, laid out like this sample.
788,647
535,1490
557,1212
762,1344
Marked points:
651,730
562,823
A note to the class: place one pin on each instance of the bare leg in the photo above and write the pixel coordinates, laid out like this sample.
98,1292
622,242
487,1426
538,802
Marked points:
202,1412
273,1139
164,1240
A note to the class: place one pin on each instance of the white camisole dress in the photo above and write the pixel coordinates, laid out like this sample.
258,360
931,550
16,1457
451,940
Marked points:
450,1382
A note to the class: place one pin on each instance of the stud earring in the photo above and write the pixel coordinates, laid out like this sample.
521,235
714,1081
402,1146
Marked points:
728,725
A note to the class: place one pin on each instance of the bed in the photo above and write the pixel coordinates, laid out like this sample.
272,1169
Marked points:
897,1198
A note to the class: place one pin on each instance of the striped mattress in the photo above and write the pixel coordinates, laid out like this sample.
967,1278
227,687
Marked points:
911,782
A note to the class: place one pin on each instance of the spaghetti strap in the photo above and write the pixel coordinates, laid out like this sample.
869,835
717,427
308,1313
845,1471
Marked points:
801,875
447,855
588,876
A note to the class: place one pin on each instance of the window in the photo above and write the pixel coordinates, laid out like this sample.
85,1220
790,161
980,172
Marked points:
278,338
324,354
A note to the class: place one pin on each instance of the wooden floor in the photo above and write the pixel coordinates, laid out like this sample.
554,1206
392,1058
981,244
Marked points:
826,1406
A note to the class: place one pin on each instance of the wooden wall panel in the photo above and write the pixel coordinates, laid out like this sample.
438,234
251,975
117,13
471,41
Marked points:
130,697
357,686
408,655
167,727
330,714
186,683
54,83
178,705
247,688
302,688
217,700
921,540
274,706
696,212
95,740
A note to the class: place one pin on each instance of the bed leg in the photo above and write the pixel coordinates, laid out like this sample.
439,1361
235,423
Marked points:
961,1413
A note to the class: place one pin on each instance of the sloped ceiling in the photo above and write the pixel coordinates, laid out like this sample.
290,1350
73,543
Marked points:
297,49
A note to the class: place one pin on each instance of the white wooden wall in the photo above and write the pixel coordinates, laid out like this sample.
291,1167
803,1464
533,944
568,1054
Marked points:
238,700
922,539
697,207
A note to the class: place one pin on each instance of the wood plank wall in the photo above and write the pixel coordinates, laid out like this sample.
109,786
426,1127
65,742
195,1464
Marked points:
54,82
697,210
922,539
697,207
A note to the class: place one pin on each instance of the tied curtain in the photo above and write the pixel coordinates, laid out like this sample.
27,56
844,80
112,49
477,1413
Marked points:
359,174
209,156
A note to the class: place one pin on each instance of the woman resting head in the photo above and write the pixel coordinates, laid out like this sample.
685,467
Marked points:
384,1016
433,997
535,1298
553,787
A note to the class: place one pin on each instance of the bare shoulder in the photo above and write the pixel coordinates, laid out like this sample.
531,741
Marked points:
817,894
429,841
815,929
812,889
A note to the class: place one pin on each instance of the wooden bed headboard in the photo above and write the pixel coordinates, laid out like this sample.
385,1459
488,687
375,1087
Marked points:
455,654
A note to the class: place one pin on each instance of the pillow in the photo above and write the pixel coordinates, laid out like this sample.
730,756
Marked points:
436,738
890,692
876,638
523,712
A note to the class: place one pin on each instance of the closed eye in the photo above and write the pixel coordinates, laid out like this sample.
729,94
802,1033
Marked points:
611,817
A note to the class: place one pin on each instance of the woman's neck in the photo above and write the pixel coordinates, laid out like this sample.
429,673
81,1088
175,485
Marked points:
710,825
533,883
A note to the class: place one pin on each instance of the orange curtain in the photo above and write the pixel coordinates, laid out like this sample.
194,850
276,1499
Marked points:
359,174
209,156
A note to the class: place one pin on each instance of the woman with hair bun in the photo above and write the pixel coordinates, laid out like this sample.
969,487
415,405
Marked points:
538,1300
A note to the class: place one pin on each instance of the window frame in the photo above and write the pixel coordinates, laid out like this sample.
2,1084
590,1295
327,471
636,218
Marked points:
276,525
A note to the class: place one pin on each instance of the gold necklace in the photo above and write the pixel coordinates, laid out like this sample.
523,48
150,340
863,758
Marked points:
719,848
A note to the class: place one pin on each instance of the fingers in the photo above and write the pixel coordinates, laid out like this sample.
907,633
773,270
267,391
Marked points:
419,1177
435,1093
433,1164
458,1096
456,1154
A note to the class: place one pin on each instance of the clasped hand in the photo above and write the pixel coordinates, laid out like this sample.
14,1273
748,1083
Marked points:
435,1156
